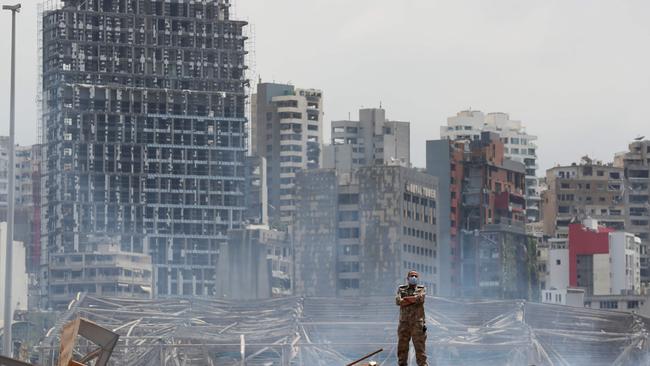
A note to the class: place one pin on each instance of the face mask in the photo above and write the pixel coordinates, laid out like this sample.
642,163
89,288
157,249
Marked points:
413,280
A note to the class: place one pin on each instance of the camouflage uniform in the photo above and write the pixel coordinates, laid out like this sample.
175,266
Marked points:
411,325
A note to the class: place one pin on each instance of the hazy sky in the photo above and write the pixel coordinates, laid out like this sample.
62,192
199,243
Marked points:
577,73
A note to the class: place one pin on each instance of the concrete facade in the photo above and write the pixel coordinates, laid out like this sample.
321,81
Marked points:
566,296
575,192
372,139
287,130
257,192
255,263
102,270
19,284
440,160
145,132
358,233
638,304
27,198
636,165
558,264
625,262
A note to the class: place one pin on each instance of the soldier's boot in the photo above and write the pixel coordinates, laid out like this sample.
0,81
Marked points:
403,339
419,336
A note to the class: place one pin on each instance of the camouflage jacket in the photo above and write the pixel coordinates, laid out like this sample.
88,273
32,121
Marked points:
415,311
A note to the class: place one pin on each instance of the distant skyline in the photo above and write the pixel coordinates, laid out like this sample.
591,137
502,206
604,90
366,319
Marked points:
574,72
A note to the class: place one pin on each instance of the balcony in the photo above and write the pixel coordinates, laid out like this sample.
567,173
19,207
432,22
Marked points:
507,225
512,202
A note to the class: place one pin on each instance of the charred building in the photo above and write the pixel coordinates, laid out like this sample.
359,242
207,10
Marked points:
145,132
359,232
486,248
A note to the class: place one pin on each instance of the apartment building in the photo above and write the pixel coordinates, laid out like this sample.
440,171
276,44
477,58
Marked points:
596,260
358,233
636,165
589,189
372,139
145,132
518,146
484,193
287,130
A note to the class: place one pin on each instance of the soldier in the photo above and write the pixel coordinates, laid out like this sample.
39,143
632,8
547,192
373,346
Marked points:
410,298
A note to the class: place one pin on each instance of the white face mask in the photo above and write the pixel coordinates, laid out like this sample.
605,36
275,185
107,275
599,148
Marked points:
413,280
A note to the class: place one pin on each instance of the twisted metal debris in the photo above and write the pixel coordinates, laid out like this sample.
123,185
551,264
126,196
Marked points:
333,331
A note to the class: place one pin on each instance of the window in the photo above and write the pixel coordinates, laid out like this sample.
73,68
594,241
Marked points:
350,250
349,233
633,304
558,262
609,304
348,198
348,216
349,284
347,267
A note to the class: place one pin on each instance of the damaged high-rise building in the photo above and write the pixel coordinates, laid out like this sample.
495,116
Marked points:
358,233
287,130
145,131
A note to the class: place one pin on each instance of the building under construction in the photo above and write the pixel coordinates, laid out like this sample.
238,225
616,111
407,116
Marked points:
335,331
145,131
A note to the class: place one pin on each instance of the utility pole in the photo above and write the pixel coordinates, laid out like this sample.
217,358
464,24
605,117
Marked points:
7,344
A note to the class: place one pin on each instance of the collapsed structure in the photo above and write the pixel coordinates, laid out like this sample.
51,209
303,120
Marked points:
145,132
329,331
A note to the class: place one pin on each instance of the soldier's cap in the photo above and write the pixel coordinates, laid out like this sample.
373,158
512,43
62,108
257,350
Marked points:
413,273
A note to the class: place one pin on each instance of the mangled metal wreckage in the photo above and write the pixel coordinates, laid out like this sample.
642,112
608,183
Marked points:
333,331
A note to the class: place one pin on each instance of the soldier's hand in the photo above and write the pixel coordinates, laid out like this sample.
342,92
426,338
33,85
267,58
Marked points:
408,300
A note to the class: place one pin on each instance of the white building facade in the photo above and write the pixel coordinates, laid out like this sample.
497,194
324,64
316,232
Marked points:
286,130
624,252
19,279
519,145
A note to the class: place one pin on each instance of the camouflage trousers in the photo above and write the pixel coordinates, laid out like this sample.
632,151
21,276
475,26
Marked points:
407,331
